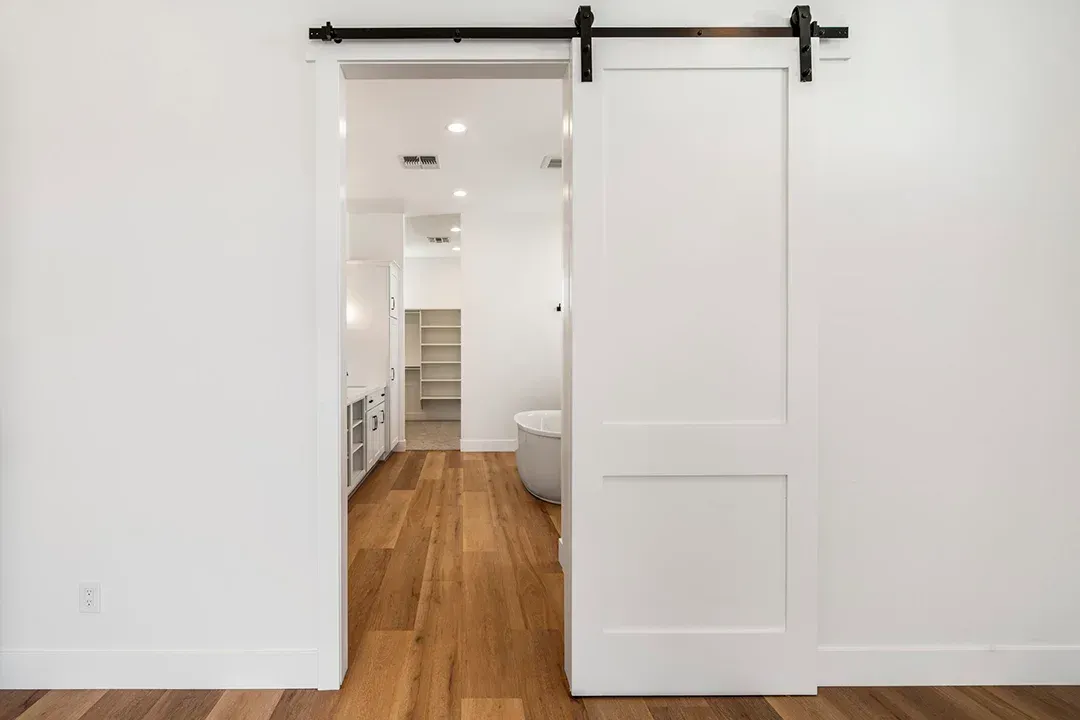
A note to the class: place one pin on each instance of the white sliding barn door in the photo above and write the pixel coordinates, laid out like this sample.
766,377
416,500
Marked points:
694,418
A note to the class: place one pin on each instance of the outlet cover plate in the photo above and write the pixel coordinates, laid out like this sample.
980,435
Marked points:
89,597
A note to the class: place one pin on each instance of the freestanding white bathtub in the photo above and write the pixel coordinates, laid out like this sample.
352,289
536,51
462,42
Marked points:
539,453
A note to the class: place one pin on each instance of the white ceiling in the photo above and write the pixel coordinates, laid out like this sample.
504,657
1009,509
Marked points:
512,125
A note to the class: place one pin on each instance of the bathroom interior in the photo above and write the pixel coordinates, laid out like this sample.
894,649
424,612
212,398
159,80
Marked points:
454,270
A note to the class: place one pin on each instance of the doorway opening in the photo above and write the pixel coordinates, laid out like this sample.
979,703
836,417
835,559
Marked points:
434,292
452,243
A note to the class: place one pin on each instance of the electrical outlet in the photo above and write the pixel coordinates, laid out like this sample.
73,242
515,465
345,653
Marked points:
89,597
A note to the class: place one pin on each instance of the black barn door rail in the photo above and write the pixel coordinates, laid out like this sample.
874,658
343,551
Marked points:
802,27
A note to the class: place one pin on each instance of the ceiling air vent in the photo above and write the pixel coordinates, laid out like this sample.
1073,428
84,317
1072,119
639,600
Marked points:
551,162
419,162
439,240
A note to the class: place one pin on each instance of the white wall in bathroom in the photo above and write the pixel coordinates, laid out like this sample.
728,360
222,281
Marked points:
377,236
511,350
433,282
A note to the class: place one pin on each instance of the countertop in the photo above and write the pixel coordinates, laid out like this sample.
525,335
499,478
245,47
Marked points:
355,392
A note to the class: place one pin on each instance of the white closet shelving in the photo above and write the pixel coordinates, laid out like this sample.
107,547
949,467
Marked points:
433,364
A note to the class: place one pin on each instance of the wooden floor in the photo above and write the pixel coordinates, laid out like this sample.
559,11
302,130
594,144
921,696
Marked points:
455,611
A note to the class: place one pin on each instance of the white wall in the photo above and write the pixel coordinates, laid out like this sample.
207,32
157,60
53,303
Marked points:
511,339
432,282
377,236
156,265
950,334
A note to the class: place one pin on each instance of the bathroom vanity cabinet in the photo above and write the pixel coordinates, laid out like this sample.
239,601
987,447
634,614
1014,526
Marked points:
367,432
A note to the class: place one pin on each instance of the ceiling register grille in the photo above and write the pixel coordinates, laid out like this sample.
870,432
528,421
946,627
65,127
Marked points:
419,162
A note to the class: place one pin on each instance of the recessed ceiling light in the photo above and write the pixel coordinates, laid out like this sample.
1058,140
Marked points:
455,229
456,127
460,193
457,249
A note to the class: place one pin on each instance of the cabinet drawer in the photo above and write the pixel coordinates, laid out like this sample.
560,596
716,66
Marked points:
375,397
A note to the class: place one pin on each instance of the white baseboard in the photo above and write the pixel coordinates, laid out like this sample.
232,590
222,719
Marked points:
948,665
488,445
400,447
433,416
562,555
150,669
859,666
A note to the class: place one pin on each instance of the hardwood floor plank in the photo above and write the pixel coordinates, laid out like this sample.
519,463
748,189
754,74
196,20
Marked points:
381,480
950,700
553,583
366,574
857,703
492,709
540,611
399,595
509,520
680,708
438,690
305,705
679,712
919,703
446,544
371,686
490,592
14,703
489,666
62,705
434,465
673,701
478,528
804,708
359,522
123,705
979,703
743,708
1067,694
616,709
527,526
539,655
426,502
384,523
246,705
555,513
1036,702
454,460
427,577
408,476
452,486
184,705
474,478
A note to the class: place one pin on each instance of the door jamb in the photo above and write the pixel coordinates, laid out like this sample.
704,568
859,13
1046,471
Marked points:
331,589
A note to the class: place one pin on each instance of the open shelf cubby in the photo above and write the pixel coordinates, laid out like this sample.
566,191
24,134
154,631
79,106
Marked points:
440,388
441,372
444,353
